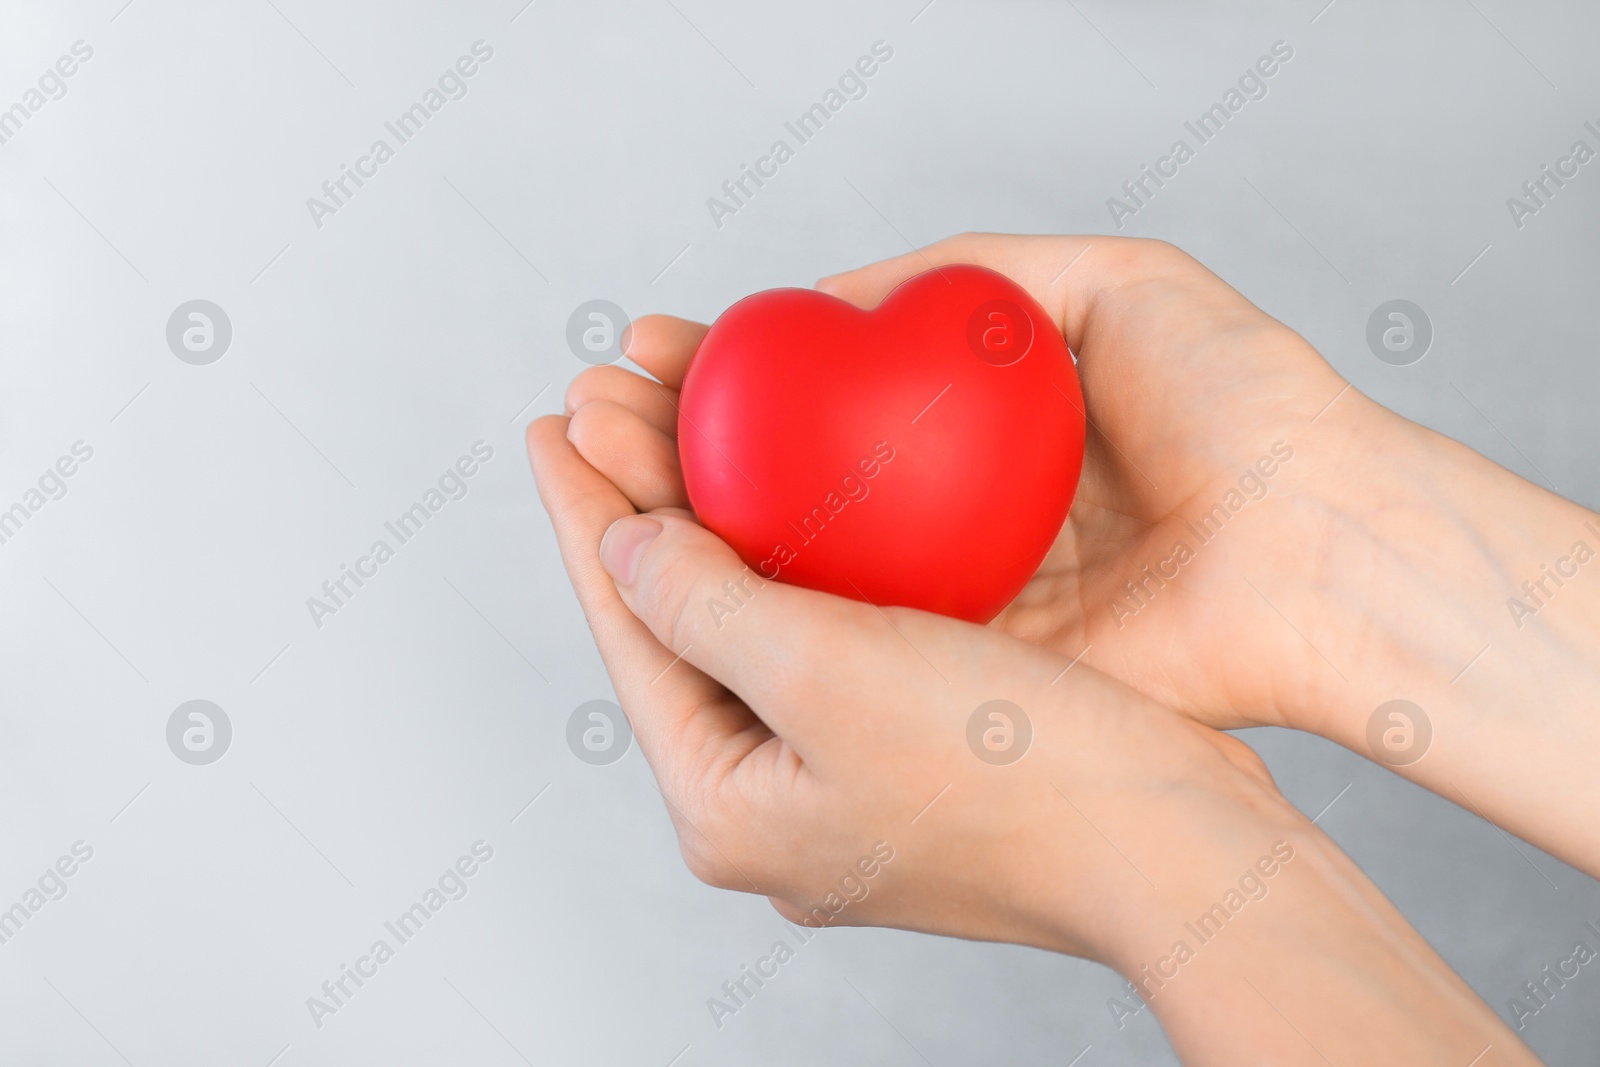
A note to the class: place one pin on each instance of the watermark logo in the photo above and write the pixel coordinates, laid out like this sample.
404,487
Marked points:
735,595
1399,333
1399,733
852,887
199,332
1252,886
452,485
1540,991
1538,191
1253,485
598,732
594,332
1140,190
739,190
51,85
451,885
999,333
199,732
50,886
52,485
1537,593
337,192
808,527
999,733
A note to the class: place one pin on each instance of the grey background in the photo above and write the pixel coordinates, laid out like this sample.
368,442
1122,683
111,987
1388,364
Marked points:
370,353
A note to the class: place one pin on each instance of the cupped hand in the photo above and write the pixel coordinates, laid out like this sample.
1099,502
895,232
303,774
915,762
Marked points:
1255,542
859,765
821,751
1216,487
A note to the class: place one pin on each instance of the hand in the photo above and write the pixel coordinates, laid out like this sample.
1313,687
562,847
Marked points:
1197,401
1254,542
816,750
796,734
1204,473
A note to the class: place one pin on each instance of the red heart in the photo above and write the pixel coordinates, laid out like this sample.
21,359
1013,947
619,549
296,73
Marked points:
921,454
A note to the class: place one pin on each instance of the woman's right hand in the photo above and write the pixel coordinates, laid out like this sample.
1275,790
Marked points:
1253,541
1256,543
845,761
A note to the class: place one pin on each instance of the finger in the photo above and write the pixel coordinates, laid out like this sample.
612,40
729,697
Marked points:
632,455
679,715
804,661
651,401
1070,277
663,345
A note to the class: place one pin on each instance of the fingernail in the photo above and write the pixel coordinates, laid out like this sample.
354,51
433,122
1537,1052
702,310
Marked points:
623,546
626,339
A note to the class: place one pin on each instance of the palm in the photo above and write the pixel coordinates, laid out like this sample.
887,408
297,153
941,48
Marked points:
1215,399
1189,386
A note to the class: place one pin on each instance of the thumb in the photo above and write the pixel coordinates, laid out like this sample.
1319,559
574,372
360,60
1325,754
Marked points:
785,651
1070,277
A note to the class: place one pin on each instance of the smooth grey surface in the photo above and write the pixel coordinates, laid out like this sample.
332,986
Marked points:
431,312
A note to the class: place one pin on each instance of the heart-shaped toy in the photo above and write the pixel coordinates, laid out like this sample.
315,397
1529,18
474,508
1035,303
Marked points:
921,454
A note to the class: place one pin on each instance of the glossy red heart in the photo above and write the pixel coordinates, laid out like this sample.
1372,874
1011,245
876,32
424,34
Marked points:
921,454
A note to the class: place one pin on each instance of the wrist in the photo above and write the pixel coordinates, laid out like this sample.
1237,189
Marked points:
1218,887
1399,581
1466,591
1195,825
1289,958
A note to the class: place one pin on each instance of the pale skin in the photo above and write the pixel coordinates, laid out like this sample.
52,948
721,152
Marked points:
791,736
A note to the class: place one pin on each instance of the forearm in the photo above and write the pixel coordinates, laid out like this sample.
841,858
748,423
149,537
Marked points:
1466,590
1248,933
1319,969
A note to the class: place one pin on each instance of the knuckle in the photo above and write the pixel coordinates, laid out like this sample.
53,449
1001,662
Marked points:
957,244
579,391
713,849
1163,253
583,416
1150,261
585,429
670,599
707,865
591,385
544,430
